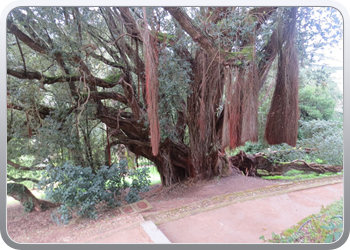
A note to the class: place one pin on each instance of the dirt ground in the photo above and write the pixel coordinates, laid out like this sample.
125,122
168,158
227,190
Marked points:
37,227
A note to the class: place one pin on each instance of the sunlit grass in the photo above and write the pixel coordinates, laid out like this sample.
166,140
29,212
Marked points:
299,175
155,177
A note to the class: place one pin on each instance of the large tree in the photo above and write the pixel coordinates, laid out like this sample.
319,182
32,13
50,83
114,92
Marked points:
175,85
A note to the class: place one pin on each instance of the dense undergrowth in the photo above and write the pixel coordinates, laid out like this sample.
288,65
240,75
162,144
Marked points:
81,191
323,139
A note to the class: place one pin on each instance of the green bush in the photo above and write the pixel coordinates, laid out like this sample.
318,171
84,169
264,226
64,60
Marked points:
140,183
316,103
285,153
80,190
325,137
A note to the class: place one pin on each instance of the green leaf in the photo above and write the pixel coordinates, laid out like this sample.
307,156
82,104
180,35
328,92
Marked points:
337,235
327,227
329,238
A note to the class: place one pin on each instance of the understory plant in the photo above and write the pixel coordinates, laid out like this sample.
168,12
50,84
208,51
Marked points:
323,138
81,190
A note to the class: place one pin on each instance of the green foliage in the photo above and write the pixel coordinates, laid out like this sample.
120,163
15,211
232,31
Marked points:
81,191
312,36
336,229
284,153
15,188
18,190
70,130
315,103
140,183
174,77
326,137
113,78
299,175
308,129
251,147
28,206
293,172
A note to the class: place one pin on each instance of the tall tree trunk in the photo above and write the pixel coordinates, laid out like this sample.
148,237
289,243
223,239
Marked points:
202,106
282,120
241,107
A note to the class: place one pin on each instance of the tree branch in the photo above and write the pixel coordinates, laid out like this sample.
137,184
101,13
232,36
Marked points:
186,23
21,179
41,48
51,80
262,14
129,22
107,62
109,95
19,167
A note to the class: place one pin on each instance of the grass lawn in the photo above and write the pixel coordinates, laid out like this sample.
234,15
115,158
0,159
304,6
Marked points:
299,175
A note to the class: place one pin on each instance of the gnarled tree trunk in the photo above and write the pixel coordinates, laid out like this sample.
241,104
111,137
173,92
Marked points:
259,165
22,194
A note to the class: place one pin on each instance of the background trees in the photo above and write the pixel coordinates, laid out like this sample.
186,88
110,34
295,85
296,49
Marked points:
175,85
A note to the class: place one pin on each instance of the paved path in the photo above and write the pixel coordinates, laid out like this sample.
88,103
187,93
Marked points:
240,217
246,221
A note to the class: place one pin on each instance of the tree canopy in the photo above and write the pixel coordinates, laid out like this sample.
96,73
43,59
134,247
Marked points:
174,85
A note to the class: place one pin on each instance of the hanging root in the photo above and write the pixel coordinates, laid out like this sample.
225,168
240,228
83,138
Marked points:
152,84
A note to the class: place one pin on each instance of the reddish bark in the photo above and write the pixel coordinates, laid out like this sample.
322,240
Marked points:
282,120
152,85
250,164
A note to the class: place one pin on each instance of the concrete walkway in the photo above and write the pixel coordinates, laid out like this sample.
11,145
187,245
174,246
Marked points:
240,217
245,222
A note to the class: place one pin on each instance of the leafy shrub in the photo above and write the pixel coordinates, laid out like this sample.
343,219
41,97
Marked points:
308,129
140,183
285,153
80,190
28,206
252,148
316,103
326,137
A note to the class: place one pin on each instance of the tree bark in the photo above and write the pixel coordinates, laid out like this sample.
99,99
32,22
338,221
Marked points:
259,165
22,194
282,120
